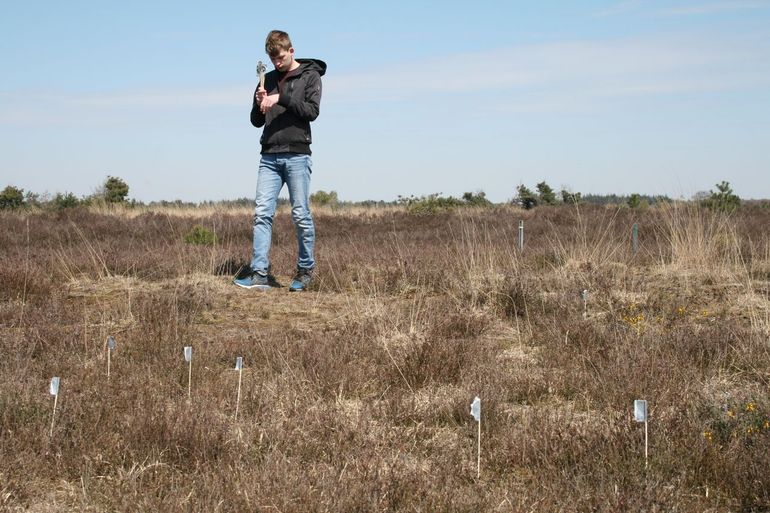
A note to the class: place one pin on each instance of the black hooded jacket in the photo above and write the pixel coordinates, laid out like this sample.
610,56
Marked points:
287,124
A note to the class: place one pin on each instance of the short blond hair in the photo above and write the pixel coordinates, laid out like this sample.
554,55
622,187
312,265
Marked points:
276,41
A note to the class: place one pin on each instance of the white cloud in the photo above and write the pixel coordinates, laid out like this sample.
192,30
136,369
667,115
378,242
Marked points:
558,74
227,97
693,8
713,7
542,77
109,108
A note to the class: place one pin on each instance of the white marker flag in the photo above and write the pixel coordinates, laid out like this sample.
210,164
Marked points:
187,353
584,295
110,342
476,409
239,363
476,412
55,386
54,389
640,410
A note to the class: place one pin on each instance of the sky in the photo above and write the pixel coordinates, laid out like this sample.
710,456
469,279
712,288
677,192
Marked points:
598,97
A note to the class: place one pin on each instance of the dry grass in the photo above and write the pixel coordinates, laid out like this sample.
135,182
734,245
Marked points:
356,395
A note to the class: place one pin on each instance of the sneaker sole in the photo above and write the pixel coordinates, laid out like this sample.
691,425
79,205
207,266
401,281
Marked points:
258,287
300,288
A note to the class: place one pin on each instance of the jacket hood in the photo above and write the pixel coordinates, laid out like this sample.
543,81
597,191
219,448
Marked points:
313,64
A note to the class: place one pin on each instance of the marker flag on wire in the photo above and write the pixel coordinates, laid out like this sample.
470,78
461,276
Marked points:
54,390
640,415
476,412
640,410
476,409
110,348
239,368
188,359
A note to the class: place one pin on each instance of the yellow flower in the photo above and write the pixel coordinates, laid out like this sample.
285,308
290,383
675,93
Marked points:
750,407
708,435
730,413
767,424
680,310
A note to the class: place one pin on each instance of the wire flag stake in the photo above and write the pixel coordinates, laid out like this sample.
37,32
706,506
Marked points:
476,412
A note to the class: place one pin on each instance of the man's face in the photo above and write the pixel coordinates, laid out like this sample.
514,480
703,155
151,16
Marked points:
282,59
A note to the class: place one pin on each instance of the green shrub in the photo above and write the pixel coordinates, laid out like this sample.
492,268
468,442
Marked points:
66,200
323,198
525,198
431,204
570,198
200,236
723,200
115,190
478,199
11,198
546,194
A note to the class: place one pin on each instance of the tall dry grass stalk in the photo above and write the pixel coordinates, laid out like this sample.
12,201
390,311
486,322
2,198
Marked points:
480,259
699,239
592,242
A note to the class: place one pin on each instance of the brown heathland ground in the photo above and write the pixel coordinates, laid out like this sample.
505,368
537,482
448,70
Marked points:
356,395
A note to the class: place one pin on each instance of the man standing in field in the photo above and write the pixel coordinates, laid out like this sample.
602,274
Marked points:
289,101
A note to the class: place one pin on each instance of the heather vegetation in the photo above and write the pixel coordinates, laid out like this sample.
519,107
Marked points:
356,395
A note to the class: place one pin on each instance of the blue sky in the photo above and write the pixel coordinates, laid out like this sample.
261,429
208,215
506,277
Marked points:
444,97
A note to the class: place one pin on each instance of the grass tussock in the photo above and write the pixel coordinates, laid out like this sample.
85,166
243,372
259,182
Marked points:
355,396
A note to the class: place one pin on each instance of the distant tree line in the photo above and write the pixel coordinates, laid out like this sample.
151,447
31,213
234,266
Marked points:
723,199
114,191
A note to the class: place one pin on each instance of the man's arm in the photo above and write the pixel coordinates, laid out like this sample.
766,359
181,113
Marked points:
257,116
309,107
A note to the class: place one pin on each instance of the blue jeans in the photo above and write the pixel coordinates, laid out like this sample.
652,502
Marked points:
276,169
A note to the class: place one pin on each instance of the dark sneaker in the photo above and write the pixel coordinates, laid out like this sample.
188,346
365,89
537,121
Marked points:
255,280
301,280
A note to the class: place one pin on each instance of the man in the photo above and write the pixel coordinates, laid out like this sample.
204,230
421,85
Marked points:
286,105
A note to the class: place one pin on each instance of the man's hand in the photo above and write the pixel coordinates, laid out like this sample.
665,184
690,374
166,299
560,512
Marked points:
267,101
260,94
